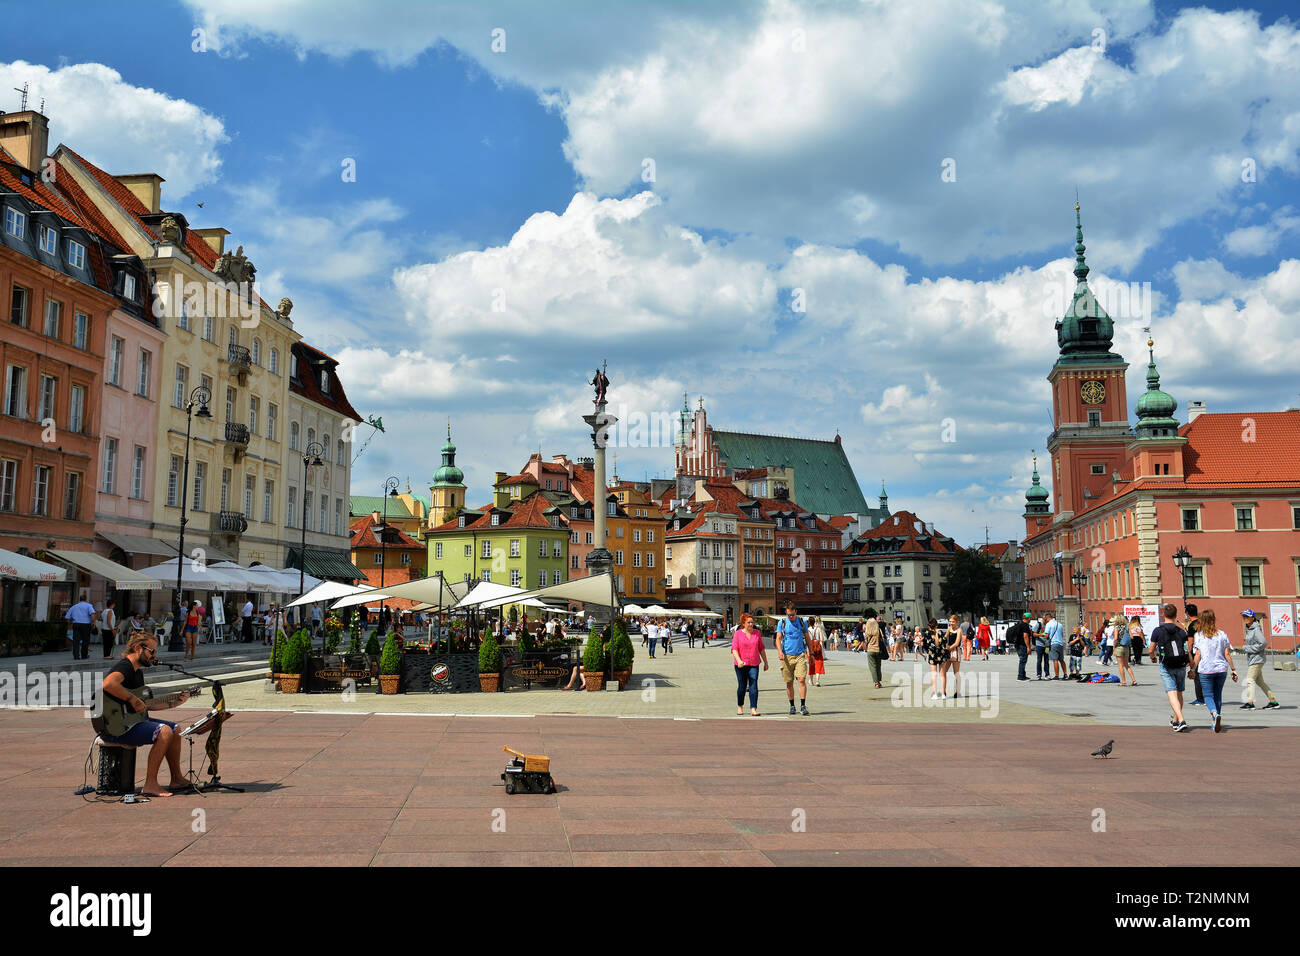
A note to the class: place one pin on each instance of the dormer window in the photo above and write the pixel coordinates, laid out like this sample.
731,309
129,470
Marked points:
496,520
76,254
293,365
128,287
325,381
49,241
462,521
15,223
611,508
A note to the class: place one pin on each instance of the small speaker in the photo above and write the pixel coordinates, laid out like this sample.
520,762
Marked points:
116,770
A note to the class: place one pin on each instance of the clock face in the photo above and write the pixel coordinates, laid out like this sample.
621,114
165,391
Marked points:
1093,392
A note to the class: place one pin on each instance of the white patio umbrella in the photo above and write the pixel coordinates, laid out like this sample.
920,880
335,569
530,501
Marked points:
308,581
276,582
196,576
332,591
252,581
633,609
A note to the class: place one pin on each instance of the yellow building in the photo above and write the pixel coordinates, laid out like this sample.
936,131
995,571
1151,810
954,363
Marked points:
634,531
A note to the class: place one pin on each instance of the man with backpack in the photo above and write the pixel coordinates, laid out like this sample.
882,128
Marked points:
1169,650
792,650
1018,636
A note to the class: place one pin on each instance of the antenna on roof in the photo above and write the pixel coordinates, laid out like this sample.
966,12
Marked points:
42,110
23,91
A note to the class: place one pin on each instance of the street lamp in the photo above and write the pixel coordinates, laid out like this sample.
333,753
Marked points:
390,491
1080,579
199,397
1182,558
311,458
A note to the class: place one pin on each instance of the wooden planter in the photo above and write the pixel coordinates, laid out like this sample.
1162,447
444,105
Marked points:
593,681
388,683
489,683
277,678
623,677
290,683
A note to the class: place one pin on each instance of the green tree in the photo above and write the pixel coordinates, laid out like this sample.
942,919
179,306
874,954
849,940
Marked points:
972,577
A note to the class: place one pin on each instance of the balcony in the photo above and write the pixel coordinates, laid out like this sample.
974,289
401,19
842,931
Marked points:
237,438
241,360
231,522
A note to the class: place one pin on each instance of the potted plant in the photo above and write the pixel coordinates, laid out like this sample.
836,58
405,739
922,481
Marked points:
593,662
354,632
489,664
277,657
390,667
621,653
372,644
333,634
293,658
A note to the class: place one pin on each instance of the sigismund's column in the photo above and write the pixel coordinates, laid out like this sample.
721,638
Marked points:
600,559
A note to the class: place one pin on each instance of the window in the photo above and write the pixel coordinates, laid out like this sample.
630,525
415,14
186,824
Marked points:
115,349
1295,517
557,550
1094,419
325,381
8,483
514,547
898,570
137,474
293,436
338,453
275,361
272,415
174,482
589,538
574,560
338,516
1191,519
293,365
1194,580
437,550
1250,583
18,306
254,406
128,287
618,531
45,397
77,409
636,559
668,554
225,490
268,501
234,335
636,535
53,317
1246,519
77,255
72,497
887,570
618,557
80,329
183,317
650,559
15,224
250,488
291,508
379,558
496,519
200,481
1099,469
257,351
306,510
487,549
182,386
144,373
231,396
41,491
541,579
650,536
636,585
324,503
209,329
49,240
925,570
515,577
109,486
555,577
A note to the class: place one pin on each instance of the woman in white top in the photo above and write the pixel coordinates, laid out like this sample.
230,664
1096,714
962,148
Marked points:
1212,661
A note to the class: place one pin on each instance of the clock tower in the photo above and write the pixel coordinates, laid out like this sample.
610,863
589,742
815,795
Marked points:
1091,430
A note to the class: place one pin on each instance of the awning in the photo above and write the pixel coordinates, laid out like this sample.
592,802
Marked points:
195,576
435,591
138,544
595,589
329,591
123,578
326,564
489,593
22,568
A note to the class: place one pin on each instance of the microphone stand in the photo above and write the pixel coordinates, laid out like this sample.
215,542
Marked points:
213,752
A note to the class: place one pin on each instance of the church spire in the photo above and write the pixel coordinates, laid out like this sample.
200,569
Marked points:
1080,266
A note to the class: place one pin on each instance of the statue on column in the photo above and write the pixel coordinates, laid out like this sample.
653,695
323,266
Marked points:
601,382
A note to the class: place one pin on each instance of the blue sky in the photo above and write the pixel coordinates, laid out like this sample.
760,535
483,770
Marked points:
500,236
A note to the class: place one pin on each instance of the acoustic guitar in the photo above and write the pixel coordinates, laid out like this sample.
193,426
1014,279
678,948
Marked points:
118,717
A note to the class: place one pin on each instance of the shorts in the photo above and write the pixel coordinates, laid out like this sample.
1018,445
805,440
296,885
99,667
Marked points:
794,667
1057,653
141,735
191,630
1174,678
1123,651
1076,663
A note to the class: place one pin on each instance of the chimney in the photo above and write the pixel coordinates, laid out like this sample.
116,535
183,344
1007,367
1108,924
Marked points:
1195,410
27,136
146,187
216,238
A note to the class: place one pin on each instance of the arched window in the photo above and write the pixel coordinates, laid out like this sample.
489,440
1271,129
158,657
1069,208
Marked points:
293,436
257,351
340,459
234,335
325,443
311,436
275,361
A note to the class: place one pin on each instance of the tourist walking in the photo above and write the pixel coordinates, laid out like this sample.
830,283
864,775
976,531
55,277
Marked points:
816,657
651,631
935,644
967,637
918,643
953,640
1042,645
984,637
1192,626
1106,644
690,634
193,615
747,651
1055,632
81,615
666,635
1256,646
1123,641
1169,651
875,641
1019,636
792,651
108,627
1212,661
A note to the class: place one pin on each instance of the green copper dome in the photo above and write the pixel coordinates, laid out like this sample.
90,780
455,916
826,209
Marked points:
448,474
1036,497
1085,332
1155,409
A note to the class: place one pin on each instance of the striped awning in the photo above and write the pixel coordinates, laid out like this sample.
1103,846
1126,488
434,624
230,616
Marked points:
326,565
138,544
123,578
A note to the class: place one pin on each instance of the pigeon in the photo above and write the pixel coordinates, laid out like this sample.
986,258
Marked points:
200,205
1105,750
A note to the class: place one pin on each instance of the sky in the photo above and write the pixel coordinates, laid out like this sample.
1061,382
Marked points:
820,217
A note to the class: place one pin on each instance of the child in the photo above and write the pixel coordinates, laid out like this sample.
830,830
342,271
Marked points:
1077,646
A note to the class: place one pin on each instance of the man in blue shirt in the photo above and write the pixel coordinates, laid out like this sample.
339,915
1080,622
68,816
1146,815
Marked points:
1056,645
81,615
792,650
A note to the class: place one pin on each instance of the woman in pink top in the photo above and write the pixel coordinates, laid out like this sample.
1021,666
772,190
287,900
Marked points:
746,652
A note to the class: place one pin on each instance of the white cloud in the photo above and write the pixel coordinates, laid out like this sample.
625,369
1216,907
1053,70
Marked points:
1262,239
124,128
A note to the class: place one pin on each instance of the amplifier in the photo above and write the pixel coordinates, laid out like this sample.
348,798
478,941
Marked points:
116,770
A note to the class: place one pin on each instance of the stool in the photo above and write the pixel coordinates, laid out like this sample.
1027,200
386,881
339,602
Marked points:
116,768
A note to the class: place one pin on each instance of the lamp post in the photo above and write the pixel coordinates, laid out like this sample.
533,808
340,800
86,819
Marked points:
1080,579
1182,558
390,491
199,397
311,458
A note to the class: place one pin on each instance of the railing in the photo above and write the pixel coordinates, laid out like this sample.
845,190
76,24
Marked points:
231,522
236,434
240,359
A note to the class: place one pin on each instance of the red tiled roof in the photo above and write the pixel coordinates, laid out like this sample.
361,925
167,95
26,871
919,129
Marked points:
365,536
518,480
1255,448
994,551
308,386
555,468
750,473
583,483
522,514
903,524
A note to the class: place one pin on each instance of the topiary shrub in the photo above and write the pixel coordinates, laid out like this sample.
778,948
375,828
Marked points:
372,644
294,656
391,660
620,647
277,650
489,654
526,641
354,633
593,658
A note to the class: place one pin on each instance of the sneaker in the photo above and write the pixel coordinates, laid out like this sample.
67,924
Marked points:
792,708
804,711
1022,678
1272,705
1172,721
1247,706
932,697
1217,719
1194,703
1181,727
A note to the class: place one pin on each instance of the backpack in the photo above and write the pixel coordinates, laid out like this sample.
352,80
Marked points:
1166,638
803,629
